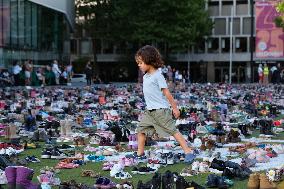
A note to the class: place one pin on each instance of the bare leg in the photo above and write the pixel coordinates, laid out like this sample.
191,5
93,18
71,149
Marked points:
178,136
141,143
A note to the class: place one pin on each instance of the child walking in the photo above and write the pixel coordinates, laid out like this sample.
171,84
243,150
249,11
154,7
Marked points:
158,117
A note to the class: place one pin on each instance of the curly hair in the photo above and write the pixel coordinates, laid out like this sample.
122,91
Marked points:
150,56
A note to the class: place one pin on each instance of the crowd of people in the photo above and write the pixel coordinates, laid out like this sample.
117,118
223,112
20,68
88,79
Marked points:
275,74
28,74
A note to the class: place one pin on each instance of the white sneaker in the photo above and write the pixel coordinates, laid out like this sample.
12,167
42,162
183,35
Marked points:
195,166
116,169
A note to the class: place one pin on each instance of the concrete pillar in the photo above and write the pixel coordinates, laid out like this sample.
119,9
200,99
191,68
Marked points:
248,72
210,72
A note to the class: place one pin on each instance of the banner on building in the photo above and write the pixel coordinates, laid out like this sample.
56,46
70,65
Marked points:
269,38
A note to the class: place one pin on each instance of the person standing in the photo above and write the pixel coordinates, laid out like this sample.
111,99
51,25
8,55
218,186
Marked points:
265,74
158,117
56,71
89,73
69,70
260,74
16,72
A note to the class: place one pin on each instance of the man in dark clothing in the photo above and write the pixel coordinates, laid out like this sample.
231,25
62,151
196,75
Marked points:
89,73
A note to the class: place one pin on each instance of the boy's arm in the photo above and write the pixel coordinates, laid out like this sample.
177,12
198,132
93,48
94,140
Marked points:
171,100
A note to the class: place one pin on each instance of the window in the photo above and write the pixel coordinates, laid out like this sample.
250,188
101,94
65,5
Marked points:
213,8
73,46
21,23
226,8
28,25
14,23
34,26
241,44
220,26
6,21
213,45
225,44
236,26
85,47
246,26
242,7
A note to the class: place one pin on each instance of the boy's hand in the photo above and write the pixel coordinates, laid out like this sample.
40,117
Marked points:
176,113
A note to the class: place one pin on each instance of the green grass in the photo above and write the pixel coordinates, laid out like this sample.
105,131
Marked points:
69,174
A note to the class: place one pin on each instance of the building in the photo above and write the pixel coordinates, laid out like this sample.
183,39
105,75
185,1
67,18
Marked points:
35,29
210,60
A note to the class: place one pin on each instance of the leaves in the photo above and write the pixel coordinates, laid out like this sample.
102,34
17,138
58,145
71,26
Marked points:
178,23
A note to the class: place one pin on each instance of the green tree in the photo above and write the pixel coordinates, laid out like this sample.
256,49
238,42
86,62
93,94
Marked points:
279,20
176,24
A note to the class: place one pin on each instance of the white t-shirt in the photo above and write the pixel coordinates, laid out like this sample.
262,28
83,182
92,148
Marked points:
152,90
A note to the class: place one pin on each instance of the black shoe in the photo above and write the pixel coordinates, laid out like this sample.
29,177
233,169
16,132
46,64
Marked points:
221,183
156,181
228,174
195,185
212,181
181,183
167,180
217,164
232,165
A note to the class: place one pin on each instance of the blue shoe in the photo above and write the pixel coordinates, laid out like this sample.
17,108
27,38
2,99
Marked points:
140,158
189,158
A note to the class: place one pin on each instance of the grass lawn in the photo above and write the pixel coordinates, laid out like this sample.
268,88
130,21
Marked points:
68,174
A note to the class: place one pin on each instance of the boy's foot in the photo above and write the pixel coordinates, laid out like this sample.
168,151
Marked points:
189,158
136,156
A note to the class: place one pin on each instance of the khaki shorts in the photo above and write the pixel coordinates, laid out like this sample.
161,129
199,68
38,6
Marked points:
158,121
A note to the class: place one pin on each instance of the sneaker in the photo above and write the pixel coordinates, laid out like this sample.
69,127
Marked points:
146,170
46,154
189,158
168,180
141,158
56,154
32,159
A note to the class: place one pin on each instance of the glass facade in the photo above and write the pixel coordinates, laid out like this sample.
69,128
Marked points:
27,30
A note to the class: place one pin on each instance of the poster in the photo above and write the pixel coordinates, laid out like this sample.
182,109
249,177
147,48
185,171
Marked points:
269,38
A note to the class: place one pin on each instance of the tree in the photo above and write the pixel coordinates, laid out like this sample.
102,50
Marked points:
279,20
174,24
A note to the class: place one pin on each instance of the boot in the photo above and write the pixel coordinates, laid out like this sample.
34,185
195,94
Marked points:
24,177
11,173
264,183
253,182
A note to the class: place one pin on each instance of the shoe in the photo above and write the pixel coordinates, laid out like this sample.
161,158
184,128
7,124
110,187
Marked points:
146,170
123,175
141,158
264,183
217,164
167,180
211,181
156,180
11,174
24,177
181,183
46,154
189,158
253,182
32,159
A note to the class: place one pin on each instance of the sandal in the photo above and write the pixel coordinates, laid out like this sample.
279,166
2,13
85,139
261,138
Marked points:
89,173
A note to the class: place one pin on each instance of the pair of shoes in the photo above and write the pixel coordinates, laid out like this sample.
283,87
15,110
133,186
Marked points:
260,181
19,177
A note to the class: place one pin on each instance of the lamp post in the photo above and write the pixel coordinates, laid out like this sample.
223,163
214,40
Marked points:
231,45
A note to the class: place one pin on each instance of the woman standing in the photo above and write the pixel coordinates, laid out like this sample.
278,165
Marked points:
89,73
